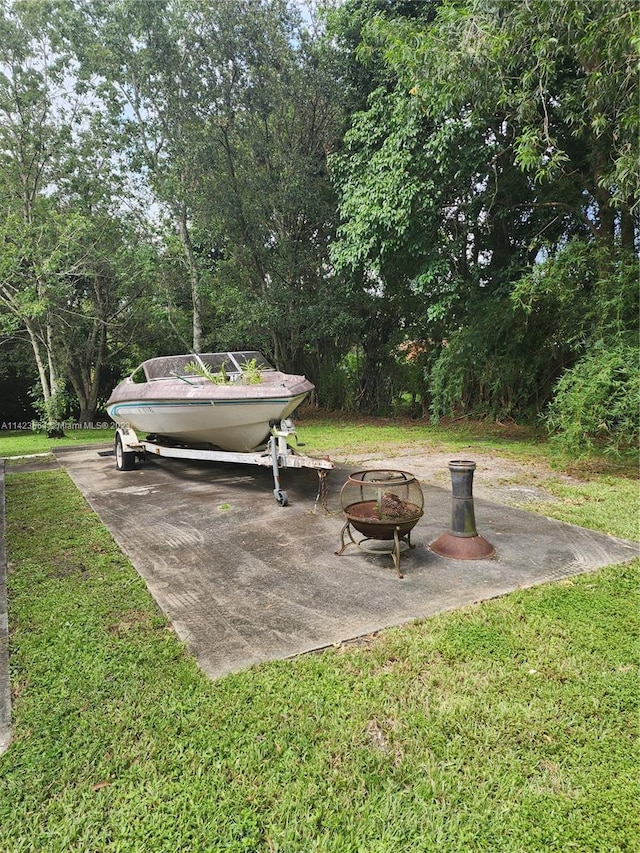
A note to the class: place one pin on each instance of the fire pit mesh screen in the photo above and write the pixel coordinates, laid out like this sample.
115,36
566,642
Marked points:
382,505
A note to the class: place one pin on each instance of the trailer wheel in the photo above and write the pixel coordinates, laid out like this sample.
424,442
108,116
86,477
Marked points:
125,460
281,498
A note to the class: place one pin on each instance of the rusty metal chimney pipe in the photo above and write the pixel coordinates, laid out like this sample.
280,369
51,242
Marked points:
462,541
463,519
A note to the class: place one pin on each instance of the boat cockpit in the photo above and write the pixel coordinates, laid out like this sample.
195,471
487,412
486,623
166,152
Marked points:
229,365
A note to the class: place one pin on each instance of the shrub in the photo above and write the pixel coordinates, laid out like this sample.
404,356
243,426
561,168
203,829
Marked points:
596,401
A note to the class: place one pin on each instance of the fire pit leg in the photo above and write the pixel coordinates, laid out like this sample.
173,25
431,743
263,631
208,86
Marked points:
345,529
396,552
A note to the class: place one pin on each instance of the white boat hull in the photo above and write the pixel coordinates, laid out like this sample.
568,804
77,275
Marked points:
236,425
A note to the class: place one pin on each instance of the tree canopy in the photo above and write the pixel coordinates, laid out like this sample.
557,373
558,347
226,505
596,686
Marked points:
431,204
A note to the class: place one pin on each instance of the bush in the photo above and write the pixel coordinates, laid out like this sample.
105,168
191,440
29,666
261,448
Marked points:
596,401
496,364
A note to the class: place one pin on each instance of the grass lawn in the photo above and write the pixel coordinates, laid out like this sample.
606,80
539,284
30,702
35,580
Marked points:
26,442
511,725
355,432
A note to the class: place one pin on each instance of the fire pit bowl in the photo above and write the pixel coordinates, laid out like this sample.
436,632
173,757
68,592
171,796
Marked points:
364,517
382,505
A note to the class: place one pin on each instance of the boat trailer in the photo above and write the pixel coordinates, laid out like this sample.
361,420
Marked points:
276,455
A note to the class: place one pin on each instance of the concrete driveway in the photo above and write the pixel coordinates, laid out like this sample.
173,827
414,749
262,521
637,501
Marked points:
244,580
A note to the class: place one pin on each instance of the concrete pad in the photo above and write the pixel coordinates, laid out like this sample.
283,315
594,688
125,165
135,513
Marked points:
244,580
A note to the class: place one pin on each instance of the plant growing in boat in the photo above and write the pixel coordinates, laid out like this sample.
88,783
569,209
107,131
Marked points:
251,374
201,369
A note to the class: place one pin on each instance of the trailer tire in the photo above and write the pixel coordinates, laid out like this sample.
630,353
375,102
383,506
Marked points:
282,498
125,460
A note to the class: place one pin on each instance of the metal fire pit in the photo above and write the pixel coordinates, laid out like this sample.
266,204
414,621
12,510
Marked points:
384,506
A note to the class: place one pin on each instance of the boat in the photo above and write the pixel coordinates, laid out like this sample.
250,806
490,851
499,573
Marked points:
229,400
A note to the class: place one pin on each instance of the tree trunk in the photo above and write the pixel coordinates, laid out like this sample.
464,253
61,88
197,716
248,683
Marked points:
85,371
375,390
40,363
627,229
194,276
86,386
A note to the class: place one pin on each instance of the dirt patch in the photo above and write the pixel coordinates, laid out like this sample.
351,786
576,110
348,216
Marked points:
496,478
28,464
132,621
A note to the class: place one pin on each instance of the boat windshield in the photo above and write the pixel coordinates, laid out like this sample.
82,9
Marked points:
252,359
168,366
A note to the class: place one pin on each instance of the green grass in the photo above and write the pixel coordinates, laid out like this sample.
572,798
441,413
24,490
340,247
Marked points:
354,433
348,433
506,726
25,442
605,503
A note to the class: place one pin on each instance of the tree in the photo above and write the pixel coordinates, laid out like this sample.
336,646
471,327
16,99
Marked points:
270,188
139,53
105,289
229,109
503,131
70,264
35,116
563,78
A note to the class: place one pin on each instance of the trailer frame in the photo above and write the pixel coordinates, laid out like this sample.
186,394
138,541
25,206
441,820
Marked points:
277,453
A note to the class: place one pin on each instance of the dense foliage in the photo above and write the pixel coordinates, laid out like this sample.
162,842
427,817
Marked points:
432,203
494,173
